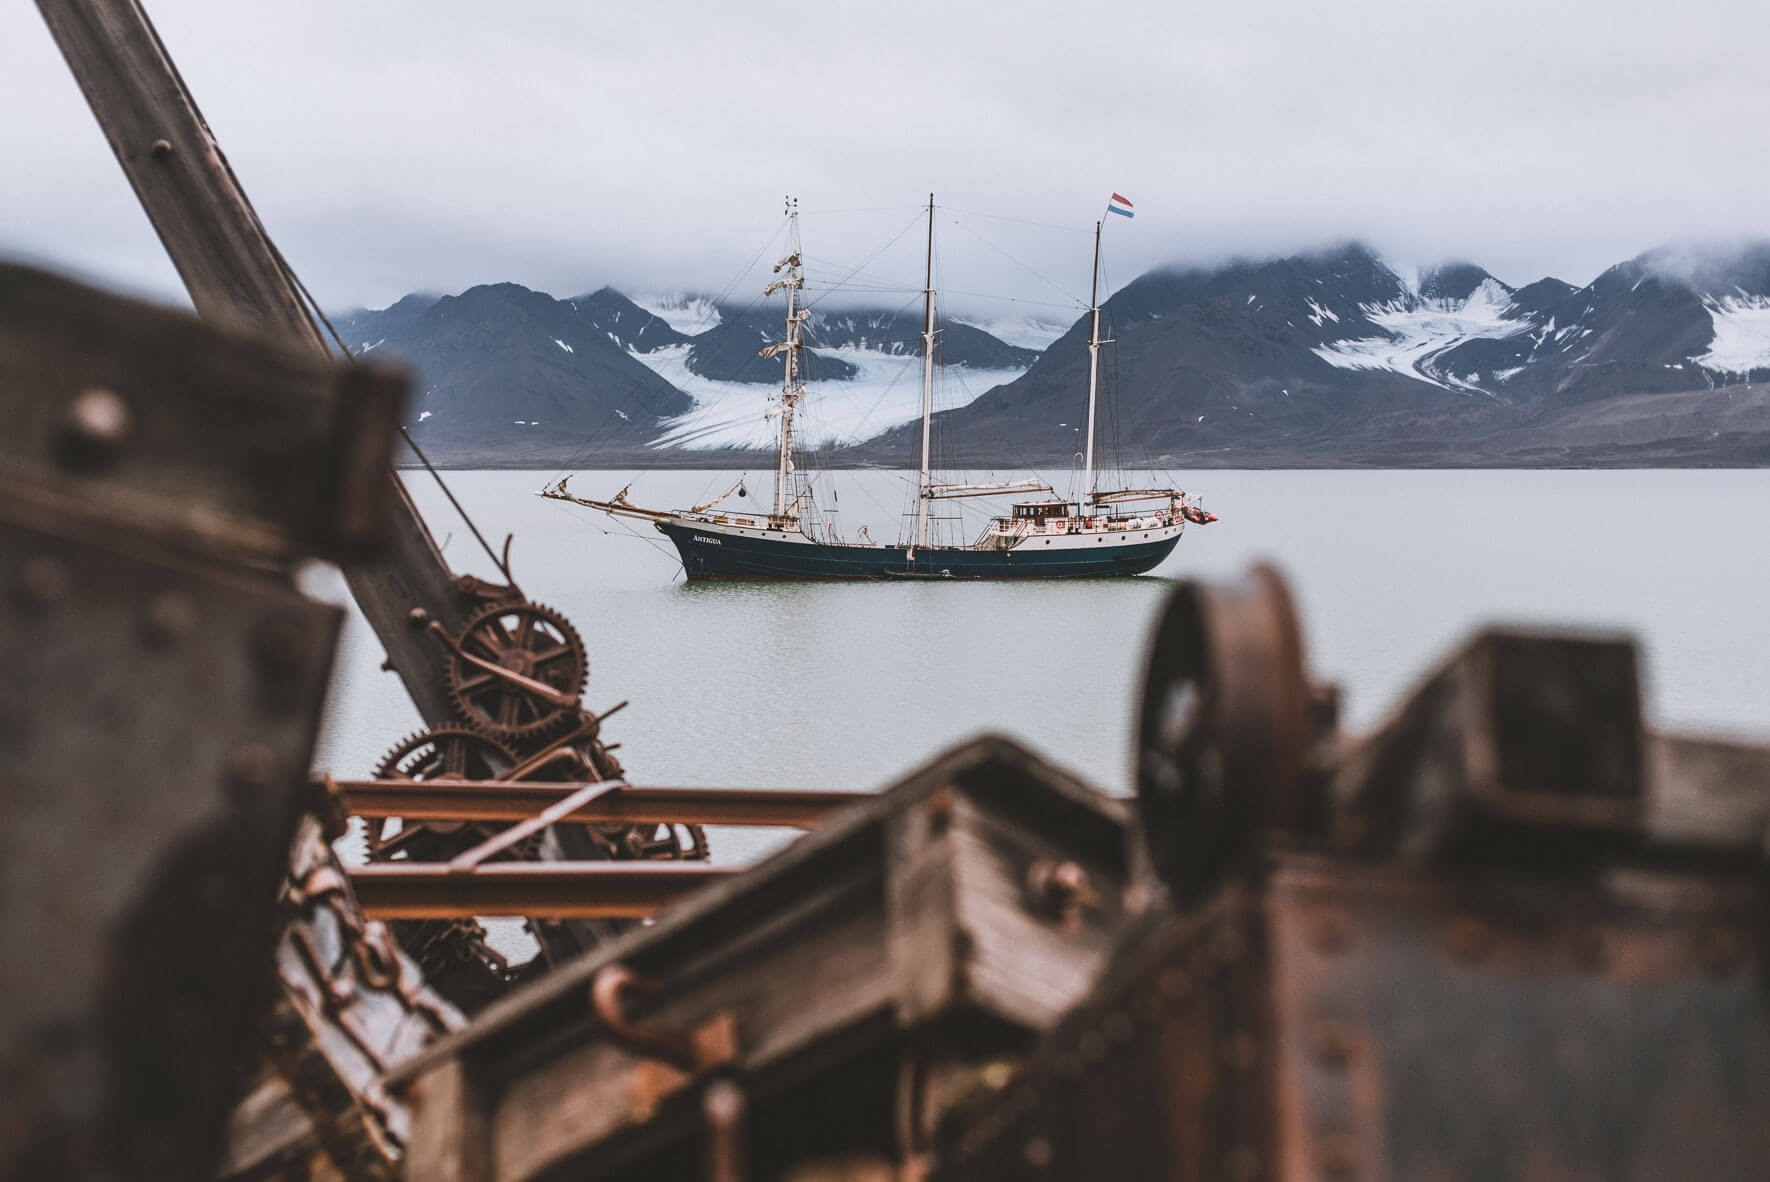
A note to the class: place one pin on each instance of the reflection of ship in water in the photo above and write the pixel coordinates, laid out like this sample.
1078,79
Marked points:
1100,533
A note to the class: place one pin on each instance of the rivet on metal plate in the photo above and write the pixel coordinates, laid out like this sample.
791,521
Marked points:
1036,1153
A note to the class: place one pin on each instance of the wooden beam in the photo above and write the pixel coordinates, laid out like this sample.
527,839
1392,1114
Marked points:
233,273
537,890
501,800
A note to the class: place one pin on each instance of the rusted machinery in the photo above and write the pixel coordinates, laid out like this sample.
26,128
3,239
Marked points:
839,993
1513,933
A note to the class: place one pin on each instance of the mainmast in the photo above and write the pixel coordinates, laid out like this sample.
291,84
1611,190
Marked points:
924,486
1093,373
792,389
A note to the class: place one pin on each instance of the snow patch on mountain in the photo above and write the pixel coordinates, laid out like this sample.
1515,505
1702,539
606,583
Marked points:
1027,332
1742,334
885,393
1415,331
688,315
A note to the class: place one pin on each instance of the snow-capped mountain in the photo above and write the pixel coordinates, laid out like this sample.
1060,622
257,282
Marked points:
1337,352
503,373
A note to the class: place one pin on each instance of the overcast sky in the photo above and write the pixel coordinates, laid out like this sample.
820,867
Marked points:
400,146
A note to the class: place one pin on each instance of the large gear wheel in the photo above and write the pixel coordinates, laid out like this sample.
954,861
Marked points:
529,639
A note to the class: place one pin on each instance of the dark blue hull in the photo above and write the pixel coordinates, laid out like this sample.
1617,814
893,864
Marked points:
736,557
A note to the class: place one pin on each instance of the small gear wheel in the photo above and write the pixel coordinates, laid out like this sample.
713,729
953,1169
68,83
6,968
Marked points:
525,638
447,753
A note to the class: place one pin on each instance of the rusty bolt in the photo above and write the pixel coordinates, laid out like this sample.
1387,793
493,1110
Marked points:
250,764
996,1074
1339,1155
160,149
1060,890
418,617
1721,951
1241,1164
1331,932
44,582
940,810
171,617
1468,938
1036,1153
94,427
1332,1044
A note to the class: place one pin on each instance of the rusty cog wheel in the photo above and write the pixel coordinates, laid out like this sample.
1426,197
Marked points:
447,753
526,638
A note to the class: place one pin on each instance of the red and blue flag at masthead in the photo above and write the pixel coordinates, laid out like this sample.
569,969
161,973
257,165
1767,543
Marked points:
1120,205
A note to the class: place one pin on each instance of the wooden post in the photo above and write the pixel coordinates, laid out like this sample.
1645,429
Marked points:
233,272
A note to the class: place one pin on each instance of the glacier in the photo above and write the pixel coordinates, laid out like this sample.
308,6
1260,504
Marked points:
885,393
688,315
1742,334
1416,331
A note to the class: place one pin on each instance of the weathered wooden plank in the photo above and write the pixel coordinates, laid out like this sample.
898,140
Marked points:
450,1141
1026,963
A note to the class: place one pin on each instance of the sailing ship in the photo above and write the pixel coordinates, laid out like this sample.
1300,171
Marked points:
1102,533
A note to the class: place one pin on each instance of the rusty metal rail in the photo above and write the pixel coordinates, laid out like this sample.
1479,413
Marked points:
537,890
503,800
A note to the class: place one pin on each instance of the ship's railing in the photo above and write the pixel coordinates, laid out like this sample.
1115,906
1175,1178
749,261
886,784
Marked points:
1058,526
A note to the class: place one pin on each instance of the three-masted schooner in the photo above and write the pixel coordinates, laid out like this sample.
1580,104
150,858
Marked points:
1093,537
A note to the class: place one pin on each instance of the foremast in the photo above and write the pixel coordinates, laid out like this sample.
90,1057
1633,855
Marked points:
1094,343
786,505
924,486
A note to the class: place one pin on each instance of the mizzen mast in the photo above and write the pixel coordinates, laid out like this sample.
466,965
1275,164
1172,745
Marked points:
924,487
792,386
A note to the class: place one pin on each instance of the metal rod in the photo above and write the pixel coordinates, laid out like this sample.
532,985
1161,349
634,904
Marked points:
503,800
538,890
468,859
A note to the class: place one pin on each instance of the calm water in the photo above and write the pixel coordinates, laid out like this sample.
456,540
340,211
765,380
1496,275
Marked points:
846,686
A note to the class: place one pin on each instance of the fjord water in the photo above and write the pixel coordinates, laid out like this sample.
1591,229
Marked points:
850,685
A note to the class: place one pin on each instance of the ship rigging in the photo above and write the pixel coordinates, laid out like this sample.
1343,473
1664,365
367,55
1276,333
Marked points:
1098,534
